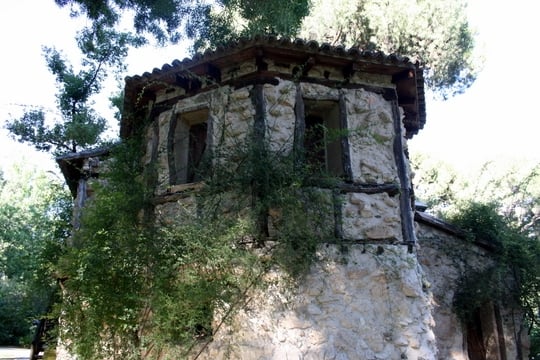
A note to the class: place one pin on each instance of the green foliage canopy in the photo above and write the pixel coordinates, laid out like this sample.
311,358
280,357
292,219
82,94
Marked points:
435,33
35,215
161,19
208,23
79,126
232,19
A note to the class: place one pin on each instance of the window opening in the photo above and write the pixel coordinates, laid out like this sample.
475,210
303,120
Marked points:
189,146
322,139
197,145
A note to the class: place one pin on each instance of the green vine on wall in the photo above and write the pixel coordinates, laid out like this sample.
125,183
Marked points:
138,287
514,277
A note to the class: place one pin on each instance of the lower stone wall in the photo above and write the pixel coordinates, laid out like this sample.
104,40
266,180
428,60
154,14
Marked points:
366,302
359,302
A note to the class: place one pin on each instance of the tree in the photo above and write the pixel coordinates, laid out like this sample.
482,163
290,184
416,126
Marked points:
437,184
80,126
514,189
208,23
34,223
435,33
233,19
161,19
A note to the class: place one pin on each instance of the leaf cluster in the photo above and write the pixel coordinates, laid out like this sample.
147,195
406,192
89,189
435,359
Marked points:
104,267
208,24
161,18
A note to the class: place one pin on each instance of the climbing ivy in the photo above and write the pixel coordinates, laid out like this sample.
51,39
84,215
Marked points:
139,285
513,278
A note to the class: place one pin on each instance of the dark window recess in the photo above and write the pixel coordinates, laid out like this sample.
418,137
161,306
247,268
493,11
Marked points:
197,146
188,147
322,139
475,338
314,143
485,335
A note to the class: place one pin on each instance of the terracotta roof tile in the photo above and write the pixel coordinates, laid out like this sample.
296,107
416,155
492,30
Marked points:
310,46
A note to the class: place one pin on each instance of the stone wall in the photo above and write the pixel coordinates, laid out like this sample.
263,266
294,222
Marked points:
359,302
368,301
373,292
369,130
371,217
371,135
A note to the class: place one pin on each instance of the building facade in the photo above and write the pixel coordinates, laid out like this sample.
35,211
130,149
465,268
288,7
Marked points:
382,285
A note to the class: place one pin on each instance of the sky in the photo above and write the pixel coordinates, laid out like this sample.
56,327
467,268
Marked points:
497,118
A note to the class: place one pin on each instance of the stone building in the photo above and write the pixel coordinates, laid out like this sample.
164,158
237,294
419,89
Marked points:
390,295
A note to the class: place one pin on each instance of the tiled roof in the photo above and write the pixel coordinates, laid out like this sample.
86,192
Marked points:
410,86
71,165
307,47
458,233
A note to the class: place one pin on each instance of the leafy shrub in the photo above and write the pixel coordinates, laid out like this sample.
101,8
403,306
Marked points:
138,282
515,276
